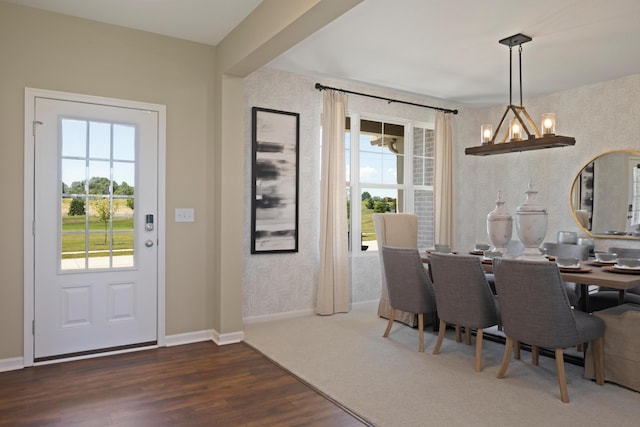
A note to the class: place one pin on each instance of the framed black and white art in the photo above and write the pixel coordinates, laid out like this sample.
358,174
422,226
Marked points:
274,210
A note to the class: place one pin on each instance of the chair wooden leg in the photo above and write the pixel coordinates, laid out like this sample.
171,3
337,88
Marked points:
392,315
442,328
516,350
562,378
479,350
421,332
597,347
458,335
508,346
467,335
535,352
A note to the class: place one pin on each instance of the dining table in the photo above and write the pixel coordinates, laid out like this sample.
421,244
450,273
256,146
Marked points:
590,273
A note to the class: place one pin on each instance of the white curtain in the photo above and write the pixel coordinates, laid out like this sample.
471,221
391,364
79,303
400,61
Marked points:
443,215
333,285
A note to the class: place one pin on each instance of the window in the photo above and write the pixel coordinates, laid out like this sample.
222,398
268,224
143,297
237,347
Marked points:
394,163
97,194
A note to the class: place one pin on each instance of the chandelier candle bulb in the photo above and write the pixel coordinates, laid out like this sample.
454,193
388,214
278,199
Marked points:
515,131
549,124
486,133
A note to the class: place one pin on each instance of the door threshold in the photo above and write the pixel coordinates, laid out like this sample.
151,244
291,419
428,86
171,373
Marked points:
95,353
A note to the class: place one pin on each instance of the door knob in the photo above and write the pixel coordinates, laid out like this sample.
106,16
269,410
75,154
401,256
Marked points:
148,243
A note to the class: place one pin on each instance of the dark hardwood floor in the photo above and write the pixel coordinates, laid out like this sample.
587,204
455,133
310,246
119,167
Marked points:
199,384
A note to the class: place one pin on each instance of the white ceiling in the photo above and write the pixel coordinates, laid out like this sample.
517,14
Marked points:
444,49
203,21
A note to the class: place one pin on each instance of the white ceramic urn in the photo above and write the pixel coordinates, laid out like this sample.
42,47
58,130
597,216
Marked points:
531,224
499,226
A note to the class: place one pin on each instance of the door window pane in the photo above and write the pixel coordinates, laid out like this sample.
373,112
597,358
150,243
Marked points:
74,248
74,138
73,176
124,142
99,140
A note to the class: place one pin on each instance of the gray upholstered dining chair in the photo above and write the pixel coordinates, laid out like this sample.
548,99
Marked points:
565,250
408,286
463,297
399,230
605,297
535,309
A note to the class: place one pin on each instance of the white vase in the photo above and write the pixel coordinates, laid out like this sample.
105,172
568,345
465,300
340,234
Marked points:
499,226
531,224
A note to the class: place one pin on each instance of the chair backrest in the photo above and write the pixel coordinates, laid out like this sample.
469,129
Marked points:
625,252
534,306
408,284
463,295
395,229
399,230
565,250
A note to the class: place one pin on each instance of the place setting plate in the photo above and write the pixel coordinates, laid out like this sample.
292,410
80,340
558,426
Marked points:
624,270
601,263
580,269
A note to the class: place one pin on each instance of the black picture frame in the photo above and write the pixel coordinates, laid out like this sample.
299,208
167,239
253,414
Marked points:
274,173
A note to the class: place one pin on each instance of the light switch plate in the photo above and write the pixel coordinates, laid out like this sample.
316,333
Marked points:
185,215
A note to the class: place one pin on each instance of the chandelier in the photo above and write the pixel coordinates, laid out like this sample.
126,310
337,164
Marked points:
521,133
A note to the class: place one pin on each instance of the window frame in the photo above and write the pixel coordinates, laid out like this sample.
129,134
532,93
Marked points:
353,186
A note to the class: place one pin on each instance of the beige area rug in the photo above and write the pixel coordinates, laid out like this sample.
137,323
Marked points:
389,383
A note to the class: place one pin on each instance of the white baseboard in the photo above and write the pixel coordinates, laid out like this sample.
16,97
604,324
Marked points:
228,338
208,335
278,316
15,363
11,364
188,338
290,314
373,301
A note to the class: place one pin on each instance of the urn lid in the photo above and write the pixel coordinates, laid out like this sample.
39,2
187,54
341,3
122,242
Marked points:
531,204
499,213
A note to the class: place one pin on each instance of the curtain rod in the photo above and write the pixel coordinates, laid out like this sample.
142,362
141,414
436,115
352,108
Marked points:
322,87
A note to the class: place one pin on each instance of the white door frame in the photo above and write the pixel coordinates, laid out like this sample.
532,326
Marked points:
29,194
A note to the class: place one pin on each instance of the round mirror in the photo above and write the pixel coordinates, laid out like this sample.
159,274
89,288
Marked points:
604,197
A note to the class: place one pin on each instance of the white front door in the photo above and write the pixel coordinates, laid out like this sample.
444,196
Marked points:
95,227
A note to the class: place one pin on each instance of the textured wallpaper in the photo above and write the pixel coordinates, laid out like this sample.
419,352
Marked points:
282,283
601,117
